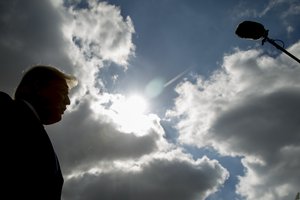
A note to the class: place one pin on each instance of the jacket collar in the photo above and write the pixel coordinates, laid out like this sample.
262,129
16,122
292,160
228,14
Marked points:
32,109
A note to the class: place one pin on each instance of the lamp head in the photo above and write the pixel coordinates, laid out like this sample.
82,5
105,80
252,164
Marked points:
251,30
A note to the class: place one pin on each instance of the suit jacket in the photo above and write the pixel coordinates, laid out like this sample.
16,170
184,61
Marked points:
31,168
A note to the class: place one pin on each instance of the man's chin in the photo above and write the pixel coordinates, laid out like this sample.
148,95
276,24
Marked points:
53,120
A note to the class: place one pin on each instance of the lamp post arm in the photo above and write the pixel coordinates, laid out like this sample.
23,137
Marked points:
282,49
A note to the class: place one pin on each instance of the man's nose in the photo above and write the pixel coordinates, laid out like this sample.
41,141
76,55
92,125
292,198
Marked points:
67,100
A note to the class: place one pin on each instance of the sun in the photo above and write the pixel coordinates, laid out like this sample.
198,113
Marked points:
133,105
131,114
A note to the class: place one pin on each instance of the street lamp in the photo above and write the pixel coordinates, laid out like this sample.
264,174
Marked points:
254,30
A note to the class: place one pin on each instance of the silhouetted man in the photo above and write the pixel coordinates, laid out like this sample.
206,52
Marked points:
31,168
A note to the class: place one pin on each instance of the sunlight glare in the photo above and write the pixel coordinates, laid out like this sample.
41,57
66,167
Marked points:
130,115
134,105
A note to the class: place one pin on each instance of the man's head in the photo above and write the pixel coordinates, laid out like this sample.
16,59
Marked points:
46,88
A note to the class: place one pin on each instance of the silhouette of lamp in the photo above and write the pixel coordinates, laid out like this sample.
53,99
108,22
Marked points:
254,30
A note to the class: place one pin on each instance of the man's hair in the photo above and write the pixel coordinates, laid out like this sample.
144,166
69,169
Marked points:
42,75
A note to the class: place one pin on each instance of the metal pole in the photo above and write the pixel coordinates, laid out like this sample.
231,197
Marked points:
282,49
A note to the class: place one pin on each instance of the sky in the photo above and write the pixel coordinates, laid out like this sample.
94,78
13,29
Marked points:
170,103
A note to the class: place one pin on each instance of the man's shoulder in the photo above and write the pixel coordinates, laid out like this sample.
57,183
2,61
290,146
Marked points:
5,99
16,108
6,109
4,96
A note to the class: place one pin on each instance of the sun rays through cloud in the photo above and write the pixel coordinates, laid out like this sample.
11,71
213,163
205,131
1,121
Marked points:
130,114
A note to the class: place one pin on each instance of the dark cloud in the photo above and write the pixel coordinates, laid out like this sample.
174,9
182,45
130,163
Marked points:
250,109
265,130
158,179
263,123
91,140
29,34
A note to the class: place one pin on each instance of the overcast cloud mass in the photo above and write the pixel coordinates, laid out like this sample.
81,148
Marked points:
246,109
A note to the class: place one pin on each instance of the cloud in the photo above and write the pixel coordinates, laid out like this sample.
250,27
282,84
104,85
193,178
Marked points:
80,41
248,108
243,9
29,34
95,32
163,177
96,138
98,160
99,31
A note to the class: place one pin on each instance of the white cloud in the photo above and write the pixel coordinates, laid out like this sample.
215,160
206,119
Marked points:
97,150
248,108
100,31
283,8
95,34
88,141
164,176
100,161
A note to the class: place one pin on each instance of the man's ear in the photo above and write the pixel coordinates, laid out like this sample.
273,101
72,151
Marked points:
37,86
32,90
